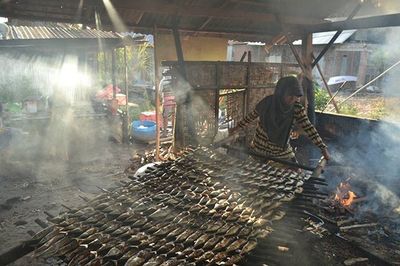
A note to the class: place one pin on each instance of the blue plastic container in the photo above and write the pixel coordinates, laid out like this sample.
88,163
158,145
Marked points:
143,130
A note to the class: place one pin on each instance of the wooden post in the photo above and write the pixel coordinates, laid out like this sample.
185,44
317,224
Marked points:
188,99
157,87
307,50
126,118
179,52
113,73
297,56
105,67
216,103
243,56
247,106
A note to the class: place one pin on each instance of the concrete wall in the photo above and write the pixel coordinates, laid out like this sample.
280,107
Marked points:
194,48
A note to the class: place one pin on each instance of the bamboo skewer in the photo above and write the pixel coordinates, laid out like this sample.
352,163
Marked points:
356,226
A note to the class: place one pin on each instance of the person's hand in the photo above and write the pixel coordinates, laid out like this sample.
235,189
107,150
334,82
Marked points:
294,134
326,154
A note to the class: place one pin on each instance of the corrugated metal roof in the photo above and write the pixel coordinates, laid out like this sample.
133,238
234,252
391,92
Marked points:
318,38
233,19
325,37
42,32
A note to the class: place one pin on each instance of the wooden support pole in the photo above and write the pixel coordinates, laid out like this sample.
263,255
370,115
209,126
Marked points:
247,106
297,56
333,97
327,86
113,73
243,56
188,99
216,101
126,117
337,34
157,87
307,50
179,52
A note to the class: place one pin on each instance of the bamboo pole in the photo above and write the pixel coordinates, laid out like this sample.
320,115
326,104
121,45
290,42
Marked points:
157,87
334,95
356,226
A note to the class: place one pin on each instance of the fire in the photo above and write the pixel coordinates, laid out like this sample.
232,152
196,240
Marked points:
344,195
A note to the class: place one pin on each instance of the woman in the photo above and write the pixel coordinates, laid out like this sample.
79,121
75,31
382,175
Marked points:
277,115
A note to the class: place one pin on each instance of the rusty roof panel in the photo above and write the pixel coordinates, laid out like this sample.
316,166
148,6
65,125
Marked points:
42,32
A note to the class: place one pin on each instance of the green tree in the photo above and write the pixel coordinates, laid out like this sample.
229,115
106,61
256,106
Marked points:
139,63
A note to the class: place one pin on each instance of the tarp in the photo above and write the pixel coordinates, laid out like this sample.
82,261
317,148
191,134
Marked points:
341,79
107,94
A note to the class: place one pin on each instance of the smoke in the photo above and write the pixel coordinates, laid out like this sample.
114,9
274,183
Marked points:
47,144
198,112
26,74
370,157
372,149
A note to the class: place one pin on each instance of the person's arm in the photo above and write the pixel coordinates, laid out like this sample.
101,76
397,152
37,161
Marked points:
302,120
245,121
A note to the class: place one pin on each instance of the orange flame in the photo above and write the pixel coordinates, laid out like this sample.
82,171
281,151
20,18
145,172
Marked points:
344,195
347,202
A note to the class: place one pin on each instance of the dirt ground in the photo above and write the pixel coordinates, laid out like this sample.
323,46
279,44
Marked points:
35,179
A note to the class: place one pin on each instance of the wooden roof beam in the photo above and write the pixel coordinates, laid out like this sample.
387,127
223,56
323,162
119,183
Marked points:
209,19
337,34
160,7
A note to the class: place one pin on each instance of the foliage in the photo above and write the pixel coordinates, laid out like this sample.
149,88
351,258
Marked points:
379,59
348,109
321,98
139,65
16,89
14,107
379,110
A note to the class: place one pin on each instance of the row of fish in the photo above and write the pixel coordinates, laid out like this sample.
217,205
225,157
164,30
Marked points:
202,208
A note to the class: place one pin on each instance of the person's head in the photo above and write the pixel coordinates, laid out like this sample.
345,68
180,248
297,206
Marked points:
288,90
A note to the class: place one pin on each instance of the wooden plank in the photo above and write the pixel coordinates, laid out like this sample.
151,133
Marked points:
17,252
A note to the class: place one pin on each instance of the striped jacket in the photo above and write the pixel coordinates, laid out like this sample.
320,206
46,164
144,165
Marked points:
263,145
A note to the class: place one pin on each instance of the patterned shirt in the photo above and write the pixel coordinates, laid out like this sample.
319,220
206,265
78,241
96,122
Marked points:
262,144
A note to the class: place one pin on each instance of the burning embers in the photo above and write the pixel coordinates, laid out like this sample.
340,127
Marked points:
344,195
